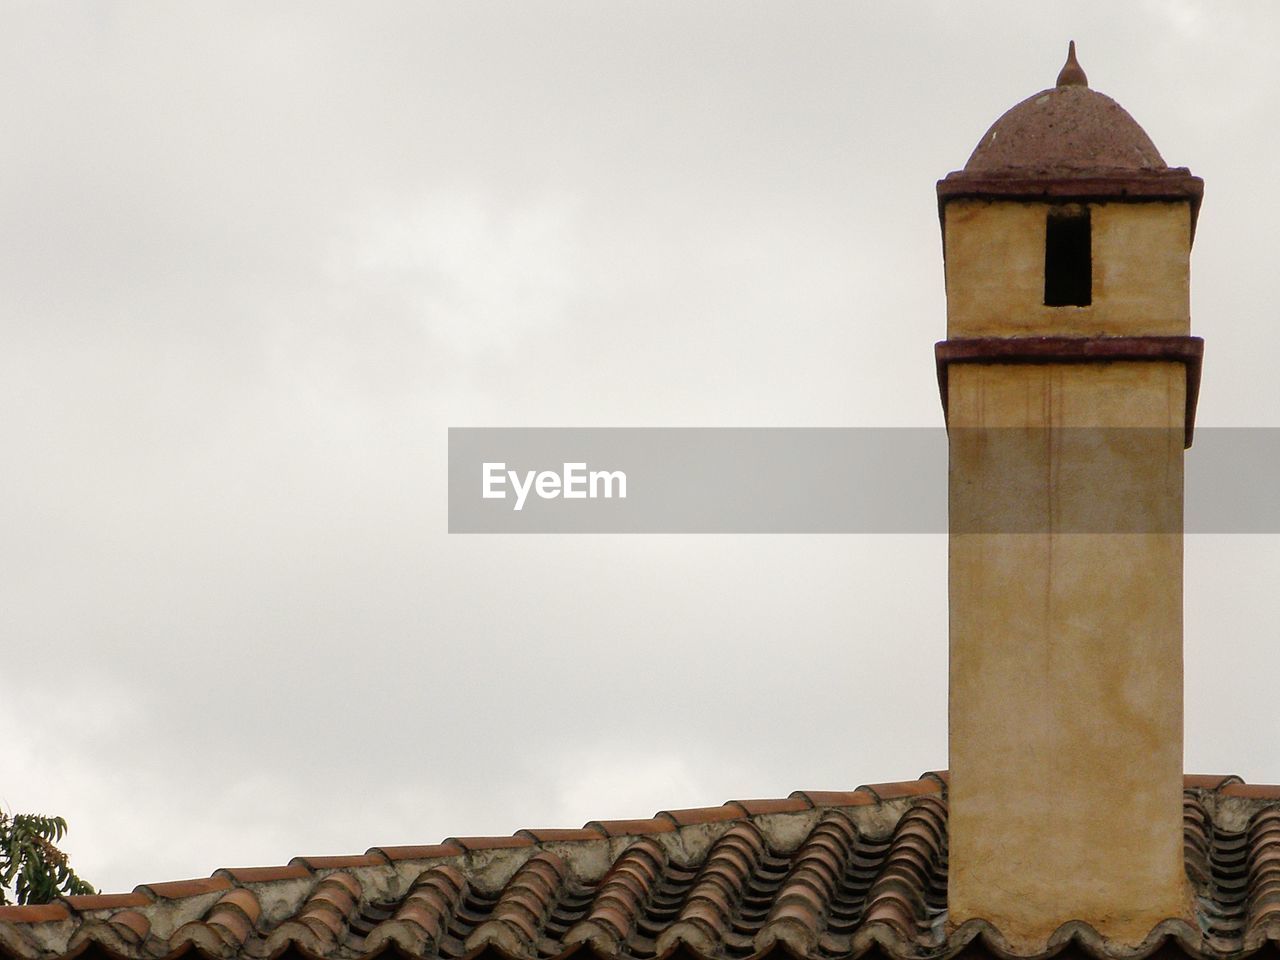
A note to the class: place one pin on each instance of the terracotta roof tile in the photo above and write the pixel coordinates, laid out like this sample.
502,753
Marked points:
903,788
621,896
37,913
631,828
1252,791
522,909
294,871
82,903
820,875
836,798
421,852
241,901
324,917
1197,829
425,916
344,882
130,925
328,902
560,836
755,808
711,906
912,874
125,931
340,863
799,914
472,844
1208,781
226,927
180,889
685,818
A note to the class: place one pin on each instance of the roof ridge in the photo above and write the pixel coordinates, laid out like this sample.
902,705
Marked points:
304,867
664,821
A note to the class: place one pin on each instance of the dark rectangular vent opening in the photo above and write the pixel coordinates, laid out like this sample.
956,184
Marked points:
1068,259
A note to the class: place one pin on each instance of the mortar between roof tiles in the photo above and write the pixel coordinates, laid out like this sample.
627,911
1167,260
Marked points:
106,934
489,870
281,899
24,943
783,832
486,870
589,860
1230,813
880,819
393,881
167,916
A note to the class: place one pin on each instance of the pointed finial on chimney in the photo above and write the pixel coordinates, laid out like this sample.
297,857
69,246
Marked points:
1071,75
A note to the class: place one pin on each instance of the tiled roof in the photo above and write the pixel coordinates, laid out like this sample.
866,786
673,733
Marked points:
817,875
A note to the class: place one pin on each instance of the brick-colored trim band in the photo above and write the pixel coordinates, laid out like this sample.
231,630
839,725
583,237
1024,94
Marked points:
1173,184
1189,351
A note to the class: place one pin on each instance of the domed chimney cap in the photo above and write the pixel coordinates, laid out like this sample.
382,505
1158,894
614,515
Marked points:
1067,130
1069,144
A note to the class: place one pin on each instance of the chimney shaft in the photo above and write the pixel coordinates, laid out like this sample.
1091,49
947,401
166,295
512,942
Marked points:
1068,301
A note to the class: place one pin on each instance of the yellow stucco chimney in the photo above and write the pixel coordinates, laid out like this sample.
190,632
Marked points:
1069,380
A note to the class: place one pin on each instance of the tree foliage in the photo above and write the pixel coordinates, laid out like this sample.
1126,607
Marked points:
32,868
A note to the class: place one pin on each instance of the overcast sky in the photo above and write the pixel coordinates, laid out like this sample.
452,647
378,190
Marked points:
257,258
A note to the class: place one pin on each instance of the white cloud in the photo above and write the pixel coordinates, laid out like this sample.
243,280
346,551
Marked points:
479,274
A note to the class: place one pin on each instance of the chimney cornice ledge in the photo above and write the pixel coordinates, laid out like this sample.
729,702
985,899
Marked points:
1172,185
1189,351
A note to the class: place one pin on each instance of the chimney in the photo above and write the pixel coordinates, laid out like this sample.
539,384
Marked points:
1069,382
